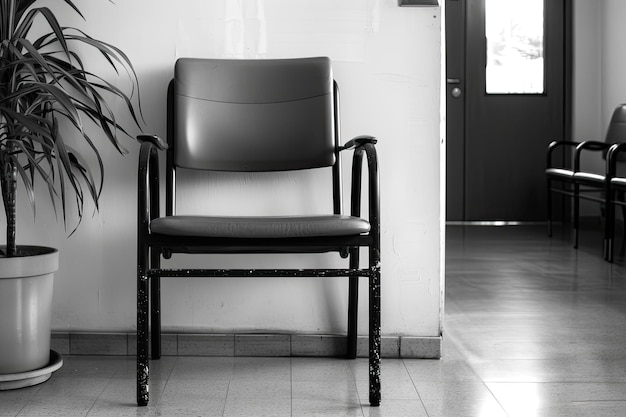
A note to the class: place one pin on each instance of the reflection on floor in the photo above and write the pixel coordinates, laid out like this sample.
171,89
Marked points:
533,328
542,325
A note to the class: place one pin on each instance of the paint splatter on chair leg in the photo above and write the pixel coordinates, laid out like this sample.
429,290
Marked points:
374,342
143,371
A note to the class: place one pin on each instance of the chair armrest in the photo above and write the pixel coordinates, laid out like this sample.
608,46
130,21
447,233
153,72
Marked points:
588,145
154,139
593,145
557,144
612,156
358,141
365,145
148,182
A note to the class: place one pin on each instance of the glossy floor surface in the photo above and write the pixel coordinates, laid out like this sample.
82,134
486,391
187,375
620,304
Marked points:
543,326
532,328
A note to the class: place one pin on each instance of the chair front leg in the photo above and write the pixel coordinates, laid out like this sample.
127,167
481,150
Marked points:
143,366
374,329
147,209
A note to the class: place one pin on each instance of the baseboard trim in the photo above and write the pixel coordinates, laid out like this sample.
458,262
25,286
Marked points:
183,344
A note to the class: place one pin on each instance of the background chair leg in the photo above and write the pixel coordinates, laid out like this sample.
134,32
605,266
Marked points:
620,197
608,227
611,240
143,370
549,208
353,306
576,215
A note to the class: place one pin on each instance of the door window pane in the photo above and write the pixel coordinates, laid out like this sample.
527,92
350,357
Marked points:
515,52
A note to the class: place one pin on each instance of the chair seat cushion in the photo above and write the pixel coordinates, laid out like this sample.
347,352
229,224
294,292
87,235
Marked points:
560,172
260,227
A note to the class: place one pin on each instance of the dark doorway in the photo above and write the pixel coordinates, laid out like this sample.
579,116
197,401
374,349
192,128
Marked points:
508,91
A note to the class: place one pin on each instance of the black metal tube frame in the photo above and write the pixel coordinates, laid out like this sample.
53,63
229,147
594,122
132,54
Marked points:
148,209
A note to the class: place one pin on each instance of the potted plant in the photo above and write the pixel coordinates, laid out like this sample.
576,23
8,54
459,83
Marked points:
46,92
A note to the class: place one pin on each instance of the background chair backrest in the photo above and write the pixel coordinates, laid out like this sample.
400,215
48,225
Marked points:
616,132
253,115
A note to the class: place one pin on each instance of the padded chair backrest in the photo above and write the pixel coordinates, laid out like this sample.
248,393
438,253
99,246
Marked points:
253,115
616,133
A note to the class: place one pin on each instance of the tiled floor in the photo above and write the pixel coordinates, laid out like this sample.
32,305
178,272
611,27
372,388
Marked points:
532,328
542,325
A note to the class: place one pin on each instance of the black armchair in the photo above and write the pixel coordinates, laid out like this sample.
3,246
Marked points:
254,116
590,186
582,184
615,195
559,176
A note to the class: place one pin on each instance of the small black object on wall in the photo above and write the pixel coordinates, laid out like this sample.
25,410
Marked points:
418,2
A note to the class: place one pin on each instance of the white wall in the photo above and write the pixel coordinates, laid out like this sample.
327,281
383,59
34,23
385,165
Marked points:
387,62
599,68
613,58
587,71
587,120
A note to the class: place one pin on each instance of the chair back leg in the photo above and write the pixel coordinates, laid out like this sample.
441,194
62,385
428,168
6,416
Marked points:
353,306
155,307
576,214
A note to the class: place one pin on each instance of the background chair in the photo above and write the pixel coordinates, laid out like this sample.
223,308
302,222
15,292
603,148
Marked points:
579,183
254,116
616,192
559,173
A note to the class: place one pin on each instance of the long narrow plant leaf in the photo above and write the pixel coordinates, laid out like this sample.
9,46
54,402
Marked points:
44,82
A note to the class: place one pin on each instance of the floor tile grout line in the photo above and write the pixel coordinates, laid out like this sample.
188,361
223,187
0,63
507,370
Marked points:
468,361
415,387
291,385
493,395
167,382
22,409
356,388
226,397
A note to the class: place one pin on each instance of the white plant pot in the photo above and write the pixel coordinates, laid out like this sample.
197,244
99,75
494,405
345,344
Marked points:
25,309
